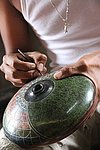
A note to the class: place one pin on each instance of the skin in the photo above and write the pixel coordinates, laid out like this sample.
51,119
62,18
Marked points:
19,72
15,34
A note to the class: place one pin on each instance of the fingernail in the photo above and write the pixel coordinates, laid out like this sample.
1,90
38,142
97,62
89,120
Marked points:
58,74
41,66
45,57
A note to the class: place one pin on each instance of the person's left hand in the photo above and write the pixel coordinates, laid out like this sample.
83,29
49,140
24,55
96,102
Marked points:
88,65
78,68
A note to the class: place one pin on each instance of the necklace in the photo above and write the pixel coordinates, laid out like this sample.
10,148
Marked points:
65,20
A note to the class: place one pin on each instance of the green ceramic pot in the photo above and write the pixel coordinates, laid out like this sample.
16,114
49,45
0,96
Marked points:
46,110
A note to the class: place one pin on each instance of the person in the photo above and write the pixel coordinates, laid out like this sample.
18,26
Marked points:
70,32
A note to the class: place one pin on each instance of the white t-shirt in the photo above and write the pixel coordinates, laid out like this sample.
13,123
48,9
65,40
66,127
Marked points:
83,34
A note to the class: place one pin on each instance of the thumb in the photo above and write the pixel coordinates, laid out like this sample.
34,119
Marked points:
40,60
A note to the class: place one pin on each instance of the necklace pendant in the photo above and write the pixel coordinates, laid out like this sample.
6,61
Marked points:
64,19
65,28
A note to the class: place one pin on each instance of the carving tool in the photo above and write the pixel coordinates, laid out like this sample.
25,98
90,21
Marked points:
28,59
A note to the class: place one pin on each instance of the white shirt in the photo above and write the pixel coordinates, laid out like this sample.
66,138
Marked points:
83,34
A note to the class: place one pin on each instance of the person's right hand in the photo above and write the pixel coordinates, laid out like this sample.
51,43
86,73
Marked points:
19,72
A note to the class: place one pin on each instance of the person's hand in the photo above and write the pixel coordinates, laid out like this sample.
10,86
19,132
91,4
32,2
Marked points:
69,70
19,72
88,65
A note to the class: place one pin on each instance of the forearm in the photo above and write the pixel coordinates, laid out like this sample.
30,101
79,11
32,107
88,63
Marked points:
13,28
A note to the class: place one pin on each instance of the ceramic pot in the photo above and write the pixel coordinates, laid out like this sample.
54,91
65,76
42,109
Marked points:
46,110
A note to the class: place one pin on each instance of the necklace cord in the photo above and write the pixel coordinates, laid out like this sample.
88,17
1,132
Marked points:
65,20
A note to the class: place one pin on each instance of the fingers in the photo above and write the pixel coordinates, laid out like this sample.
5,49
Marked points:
79,68
19,72
17,83
62,73
17,77
39,59
14,61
